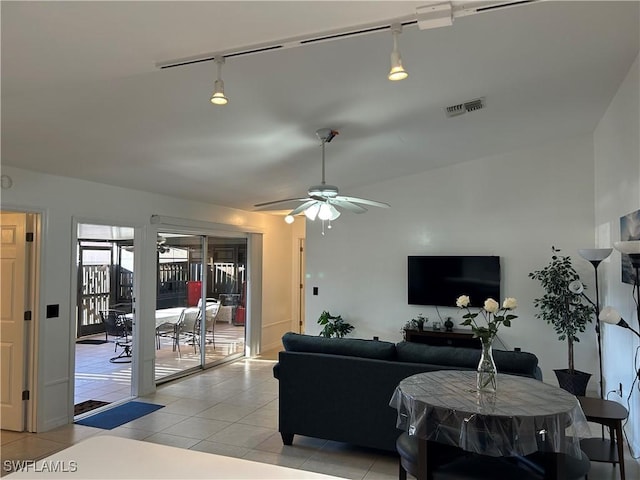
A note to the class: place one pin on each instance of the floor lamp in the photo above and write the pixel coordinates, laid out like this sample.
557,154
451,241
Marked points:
595,256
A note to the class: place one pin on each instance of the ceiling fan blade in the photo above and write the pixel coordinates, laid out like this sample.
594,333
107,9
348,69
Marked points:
266,204
364,201
302,207
352,207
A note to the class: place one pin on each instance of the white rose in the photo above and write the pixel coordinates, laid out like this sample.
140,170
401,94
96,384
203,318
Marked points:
463,301
509,303
491,306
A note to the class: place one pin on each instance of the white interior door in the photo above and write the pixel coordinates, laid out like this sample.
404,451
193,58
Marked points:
12,308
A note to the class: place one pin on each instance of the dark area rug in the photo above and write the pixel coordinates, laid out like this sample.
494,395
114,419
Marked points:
91,341
87,406
114,417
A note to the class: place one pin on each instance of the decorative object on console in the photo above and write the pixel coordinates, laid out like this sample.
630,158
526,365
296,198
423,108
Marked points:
487,374
419,322
334,326
565,310
595,256
448,325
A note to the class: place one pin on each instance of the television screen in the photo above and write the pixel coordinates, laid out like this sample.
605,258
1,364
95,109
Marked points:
440,280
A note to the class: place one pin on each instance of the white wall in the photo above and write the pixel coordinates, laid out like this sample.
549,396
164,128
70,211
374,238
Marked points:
515,205
60,200
617,181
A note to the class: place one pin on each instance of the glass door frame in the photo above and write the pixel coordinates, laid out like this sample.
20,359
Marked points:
204,235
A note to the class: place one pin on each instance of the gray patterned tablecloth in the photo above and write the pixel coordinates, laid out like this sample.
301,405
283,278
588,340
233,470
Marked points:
524,416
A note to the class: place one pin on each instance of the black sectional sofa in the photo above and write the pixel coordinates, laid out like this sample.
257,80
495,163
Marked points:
339,388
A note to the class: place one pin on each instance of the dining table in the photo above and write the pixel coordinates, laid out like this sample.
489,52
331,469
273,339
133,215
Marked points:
164,315
522,417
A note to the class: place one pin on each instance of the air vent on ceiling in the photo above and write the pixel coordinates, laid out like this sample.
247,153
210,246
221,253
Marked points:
460,108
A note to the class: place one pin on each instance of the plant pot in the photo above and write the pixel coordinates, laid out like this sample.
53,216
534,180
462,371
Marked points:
575,383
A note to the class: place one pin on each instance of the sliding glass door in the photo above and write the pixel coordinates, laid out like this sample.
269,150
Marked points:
201,301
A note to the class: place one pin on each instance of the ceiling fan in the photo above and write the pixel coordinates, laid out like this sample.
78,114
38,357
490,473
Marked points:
323,199
160,245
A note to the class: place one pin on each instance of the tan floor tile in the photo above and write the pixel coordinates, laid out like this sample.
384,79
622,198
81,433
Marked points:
31,448
220,449
242,435
70,434
7,436
198,428
171,440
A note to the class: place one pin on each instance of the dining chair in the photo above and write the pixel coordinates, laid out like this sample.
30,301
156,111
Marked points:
188,325
210,314
167,329
115,324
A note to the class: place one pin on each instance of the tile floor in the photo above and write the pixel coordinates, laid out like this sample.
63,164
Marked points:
99,379
233,410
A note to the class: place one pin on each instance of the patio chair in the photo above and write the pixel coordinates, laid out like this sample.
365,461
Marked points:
188,326
115,324
167,329
211,312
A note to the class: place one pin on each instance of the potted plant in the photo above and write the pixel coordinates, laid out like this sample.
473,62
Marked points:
333,326
564,309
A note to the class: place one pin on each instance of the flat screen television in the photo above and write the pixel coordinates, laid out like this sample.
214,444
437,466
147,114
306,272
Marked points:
440,280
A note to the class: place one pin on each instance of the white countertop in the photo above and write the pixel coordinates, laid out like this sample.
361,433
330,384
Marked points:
109,457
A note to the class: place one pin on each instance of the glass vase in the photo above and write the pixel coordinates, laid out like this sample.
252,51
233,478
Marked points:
487,374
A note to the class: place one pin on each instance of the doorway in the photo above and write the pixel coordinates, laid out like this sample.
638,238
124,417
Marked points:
19,237
103,354
201,302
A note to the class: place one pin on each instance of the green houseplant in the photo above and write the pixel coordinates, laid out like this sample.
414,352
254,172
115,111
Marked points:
565,311
333,326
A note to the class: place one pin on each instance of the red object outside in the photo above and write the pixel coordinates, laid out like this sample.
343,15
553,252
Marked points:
194,293
240,314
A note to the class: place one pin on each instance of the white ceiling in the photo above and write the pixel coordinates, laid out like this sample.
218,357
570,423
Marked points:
82,96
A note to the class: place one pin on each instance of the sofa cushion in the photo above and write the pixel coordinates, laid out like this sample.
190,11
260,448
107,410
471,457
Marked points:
438,355
353,347
519,363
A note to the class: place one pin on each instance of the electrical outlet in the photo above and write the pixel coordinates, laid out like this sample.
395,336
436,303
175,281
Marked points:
619,391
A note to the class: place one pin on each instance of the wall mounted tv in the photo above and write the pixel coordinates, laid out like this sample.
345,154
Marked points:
440,280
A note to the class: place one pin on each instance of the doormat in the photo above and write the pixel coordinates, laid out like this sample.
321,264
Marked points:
114,417
91,341
87,406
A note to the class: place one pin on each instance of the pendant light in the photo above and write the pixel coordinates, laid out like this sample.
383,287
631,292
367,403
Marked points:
218,97
397,71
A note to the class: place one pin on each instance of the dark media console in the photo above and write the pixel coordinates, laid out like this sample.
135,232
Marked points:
442,338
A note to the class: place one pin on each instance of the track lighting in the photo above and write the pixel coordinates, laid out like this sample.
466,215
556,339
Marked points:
397,71
218,97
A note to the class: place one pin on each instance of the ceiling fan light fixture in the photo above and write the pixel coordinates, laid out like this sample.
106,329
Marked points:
328,212
289,219
312,212
397,71
218,97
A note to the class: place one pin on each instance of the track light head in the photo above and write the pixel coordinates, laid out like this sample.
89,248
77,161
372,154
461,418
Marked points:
218,97
397,71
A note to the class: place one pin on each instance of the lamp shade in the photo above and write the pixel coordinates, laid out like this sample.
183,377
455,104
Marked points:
610,315
629,247
595,254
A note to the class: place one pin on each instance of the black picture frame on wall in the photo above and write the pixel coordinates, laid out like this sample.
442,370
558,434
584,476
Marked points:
629,230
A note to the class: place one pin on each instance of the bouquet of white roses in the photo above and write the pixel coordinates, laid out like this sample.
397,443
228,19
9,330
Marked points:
494,316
